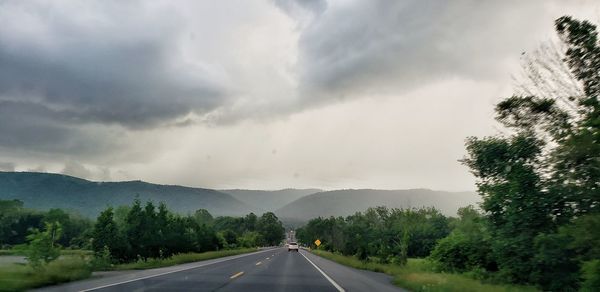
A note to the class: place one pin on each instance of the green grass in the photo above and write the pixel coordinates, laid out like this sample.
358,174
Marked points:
19,277
420,275
181,259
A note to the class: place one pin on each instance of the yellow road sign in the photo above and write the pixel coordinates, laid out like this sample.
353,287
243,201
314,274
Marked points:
317,242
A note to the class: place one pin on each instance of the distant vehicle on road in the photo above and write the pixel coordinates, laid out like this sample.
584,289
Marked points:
293,246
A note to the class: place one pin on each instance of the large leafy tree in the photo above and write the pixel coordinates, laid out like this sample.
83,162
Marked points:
270,228
547,173
43,246
106,236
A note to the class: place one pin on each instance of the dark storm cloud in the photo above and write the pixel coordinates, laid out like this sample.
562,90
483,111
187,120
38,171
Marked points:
66,66
125,85
30,127
105,69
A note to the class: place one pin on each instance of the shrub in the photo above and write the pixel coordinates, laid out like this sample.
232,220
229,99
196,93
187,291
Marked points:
591,276
460,252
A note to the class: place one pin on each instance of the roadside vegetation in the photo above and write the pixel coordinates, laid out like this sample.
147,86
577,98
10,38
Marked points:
19,277
60,247
540,184
422,275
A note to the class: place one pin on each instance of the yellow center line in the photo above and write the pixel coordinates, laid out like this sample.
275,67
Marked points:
258,263
236,275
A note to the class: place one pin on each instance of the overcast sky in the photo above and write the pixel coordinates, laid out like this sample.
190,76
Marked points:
261,94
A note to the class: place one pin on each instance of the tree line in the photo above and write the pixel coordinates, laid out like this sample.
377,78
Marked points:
131,233
136,232
16,222
387,235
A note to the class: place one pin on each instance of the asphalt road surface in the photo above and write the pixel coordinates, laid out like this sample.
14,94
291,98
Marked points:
267,270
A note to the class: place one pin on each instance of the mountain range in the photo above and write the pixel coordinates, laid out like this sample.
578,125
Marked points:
347,202
48,190
262,201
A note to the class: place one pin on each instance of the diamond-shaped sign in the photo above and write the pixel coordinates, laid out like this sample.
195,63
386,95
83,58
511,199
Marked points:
317,242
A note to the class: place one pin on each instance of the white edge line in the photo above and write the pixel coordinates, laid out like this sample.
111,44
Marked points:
170,272
336,285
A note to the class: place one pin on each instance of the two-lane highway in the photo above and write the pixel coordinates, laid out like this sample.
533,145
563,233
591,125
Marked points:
268,270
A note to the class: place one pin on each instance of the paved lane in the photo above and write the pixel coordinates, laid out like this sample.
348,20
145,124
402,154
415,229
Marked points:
286,271
270,270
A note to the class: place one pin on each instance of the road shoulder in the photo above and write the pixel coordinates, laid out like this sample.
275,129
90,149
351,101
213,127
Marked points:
351,279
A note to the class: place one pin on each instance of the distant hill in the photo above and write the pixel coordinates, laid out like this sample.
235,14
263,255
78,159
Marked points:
47,190
347,202
263,201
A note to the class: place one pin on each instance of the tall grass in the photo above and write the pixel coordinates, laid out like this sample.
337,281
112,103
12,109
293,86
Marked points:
181,259
19,277
420,275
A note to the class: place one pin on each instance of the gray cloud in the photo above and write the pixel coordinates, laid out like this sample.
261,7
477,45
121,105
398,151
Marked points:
73,168
360,47
7,166
27,127
39,168
117,66
302,8
69,69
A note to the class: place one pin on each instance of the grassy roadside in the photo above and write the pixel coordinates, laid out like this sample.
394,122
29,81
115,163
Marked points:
419,275
19,277
76,265
181,259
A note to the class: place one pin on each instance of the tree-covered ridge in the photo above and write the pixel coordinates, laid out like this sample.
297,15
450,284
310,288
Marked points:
347,202
45,191
262,200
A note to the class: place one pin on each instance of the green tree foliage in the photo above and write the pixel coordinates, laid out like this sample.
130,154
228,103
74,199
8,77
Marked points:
236,224
202,216
270,229
150,232
541,184
108,240
591,276
15,222
230,237
42,245
130,233
250,239
388,235
250,222
468,245
74,227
